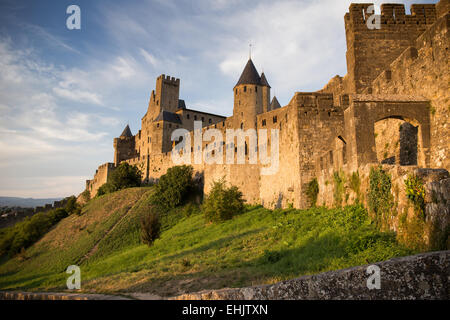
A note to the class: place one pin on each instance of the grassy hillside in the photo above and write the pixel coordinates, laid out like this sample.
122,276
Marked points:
258,246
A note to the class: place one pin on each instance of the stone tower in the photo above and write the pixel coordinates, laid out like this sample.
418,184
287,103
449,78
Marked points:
370,52
265,92
166,96
124,146
248,98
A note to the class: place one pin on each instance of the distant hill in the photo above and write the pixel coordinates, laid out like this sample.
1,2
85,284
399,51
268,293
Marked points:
25,202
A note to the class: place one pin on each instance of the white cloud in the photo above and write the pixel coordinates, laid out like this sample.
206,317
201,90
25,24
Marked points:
149,58
78,95
37,128
124,68
297,43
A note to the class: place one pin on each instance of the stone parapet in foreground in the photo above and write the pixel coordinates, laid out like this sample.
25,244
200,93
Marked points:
423,276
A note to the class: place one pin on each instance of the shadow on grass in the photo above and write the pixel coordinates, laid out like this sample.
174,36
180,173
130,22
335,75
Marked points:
219,243
36,281
313,257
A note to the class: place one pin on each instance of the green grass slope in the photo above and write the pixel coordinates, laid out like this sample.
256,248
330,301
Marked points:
256,247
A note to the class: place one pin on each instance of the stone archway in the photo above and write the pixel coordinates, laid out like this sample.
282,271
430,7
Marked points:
396,142
364,111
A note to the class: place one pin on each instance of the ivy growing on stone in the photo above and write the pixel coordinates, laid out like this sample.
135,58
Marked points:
380,198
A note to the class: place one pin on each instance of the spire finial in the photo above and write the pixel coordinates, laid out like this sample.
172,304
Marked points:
250,51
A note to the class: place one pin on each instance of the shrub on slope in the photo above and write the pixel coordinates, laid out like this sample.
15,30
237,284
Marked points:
25,233
124,176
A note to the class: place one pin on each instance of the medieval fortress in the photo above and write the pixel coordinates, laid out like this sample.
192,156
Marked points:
391,109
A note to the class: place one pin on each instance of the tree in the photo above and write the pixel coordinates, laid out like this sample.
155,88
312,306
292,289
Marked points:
150,228
173,188
222,203
124,176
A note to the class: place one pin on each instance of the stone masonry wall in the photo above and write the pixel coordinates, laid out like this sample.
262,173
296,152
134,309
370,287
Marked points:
403,215
423,69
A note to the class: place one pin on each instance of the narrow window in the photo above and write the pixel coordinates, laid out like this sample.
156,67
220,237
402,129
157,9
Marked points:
275,119
245,88
187,116
210,121
256,89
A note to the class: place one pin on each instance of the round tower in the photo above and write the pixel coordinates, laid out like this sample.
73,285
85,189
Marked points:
248,98
265,93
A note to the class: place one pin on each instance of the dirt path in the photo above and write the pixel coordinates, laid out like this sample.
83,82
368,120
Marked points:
107,233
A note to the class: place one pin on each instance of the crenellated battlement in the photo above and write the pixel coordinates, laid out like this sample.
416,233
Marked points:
392,14
372,47
169,80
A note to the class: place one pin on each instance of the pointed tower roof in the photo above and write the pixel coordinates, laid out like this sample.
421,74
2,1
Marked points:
264,80
250,75
126,132
274,104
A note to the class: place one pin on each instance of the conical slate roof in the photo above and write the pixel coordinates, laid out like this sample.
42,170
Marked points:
274,104
250,75
126,132
264,80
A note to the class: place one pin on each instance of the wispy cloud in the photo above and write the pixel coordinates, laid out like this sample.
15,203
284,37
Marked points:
149,58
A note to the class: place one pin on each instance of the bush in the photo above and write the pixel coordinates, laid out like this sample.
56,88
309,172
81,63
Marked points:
222,203
105,189
124,176
25,233
312,191
415,192
86,195
72,207
173,188
150,228
189,210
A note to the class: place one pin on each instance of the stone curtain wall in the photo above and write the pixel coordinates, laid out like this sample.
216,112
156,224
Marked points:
423,276
100,178
423,70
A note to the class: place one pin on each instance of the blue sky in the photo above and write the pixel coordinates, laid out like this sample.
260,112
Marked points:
65,94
